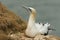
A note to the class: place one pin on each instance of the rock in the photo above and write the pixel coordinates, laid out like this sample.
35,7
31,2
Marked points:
48,37
21,36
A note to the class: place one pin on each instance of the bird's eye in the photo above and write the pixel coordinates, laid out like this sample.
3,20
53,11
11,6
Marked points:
30,10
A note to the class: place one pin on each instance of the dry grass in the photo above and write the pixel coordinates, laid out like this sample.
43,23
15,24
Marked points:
9,21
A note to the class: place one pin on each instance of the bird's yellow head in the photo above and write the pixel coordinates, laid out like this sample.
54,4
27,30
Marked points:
30,9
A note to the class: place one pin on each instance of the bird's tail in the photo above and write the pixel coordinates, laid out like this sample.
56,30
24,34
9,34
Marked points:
53,29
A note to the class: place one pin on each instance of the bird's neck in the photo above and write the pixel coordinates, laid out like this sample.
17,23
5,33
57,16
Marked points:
31,20
32,17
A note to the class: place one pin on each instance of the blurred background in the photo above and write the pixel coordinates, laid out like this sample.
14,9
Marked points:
47,11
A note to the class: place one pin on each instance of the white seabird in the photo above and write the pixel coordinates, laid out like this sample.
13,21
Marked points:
35,28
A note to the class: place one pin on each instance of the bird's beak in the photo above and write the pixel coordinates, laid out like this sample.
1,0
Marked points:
25,7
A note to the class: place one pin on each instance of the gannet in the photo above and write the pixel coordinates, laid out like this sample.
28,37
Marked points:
34,28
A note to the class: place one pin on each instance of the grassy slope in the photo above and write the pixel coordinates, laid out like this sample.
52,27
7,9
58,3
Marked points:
9,21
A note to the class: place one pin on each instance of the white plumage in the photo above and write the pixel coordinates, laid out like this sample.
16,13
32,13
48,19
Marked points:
44,29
